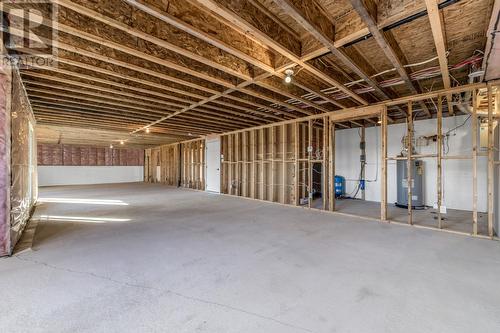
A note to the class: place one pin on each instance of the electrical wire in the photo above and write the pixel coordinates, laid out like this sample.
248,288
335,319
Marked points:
422,74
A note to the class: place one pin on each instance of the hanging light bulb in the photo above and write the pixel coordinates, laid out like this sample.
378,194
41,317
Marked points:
111,146
289,76
148,130
122,142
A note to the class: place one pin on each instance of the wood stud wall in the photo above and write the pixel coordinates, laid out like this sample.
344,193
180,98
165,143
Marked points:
274,162
181,164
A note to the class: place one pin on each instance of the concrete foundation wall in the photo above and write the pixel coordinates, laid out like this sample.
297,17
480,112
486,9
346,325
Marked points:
457,174
80,175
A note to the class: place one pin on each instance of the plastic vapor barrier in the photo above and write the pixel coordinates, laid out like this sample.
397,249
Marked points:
24,189
5,89
72,155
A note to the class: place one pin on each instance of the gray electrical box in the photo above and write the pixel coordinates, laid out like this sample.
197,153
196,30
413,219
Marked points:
417,189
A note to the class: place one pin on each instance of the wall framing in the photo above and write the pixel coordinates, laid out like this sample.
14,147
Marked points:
179,164
282,144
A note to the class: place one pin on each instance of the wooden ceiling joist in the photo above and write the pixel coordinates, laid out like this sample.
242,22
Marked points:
96,113
135,102
228,14
308,17
212,66
80,51
218,42
387,47
164,44
156,85
205,117
437,26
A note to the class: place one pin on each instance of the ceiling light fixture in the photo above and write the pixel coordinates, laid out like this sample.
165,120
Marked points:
122,142
289,76
111,146
148,130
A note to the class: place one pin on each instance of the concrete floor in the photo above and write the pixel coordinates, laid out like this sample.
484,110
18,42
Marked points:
149,258
453,220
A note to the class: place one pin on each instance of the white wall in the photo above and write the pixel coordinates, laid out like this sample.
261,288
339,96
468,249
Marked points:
457,174
78,175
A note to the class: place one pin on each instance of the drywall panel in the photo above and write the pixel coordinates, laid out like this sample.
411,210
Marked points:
79,175
457,174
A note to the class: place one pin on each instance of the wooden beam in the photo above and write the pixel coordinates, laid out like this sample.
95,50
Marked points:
171,46
305,19
491,56
218,42
165,63
385,45
263,115
374,110
217,7
438,32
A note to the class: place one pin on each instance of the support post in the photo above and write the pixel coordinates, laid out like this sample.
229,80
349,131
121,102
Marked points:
383,195
363,153
262,164
439,159
283,165
409,169
309,157
491,165
303,129
474,121
273,164
331,164
230,164
324,173
254,162
244,164
237,163
297,170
